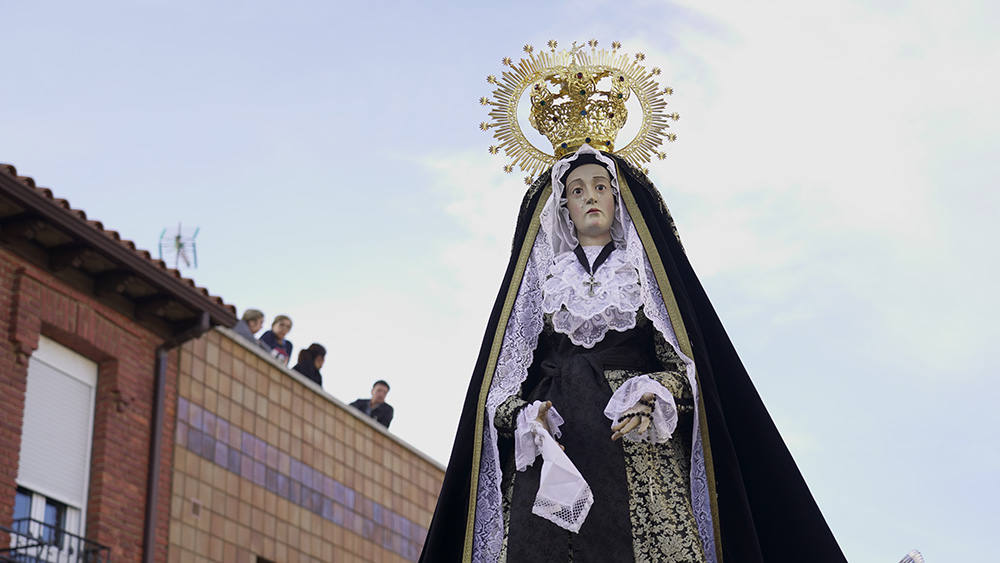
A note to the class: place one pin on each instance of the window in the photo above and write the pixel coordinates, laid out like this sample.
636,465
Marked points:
39,516
53,471
22,510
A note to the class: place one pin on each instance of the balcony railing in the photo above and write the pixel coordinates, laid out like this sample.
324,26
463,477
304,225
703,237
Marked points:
34,541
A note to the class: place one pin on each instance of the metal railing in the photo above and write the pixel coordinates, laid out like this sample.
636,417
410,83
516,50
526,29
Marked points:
34,541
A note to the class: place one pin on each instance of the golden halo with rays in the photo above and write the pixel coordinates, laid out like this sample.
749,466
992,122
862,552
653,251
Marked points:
570,107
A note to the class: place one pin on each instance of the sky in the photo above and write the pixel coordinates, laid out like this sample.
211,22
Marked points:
834,182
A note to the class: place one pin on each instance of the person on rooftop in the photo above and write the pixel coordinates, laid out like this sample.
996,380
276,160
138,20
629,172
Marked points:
250,325
376,407
310,361
277,345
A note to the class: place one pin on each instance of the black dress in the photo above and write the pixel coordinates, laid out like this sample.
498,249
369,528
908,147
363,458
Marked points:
642,507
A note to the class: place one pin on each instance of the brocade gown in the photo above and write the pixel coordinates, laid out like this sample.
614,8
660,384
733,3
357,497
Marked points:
642,508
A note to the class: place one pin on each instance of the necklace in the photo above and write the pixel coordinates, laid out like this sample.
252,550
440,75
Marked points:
601,258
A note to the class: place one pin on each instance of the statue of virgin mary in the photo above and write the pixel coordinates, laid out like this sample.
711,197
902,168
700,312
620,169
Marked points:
609,418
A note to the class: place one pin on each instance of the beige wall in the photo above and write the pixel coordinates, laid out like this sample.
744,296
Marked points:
266,464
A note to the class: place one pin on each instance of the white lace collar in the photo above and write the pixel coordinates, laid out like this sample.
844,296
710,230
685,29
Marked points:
585,307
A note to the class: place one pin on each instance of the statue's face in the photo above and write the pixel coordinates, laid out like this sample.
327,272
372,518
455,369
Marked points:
591,203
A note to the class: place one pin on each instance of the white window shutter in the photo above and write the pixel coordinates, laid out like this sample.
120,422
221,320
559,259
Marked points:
58,424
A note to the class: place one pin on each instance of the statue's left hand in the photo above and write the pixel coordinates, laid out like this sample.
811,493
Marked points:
636,418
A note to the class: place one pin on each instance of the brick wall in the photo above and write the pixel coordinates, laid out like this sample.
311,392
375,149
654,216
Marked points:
33,303
268,465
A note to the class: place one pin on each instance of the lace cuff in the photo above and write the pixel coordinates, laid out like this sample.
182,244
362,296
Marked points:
663,418
529,433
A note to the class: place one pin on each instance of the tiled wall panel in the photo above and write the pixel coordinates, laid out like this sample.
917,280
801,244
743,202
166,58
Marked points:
268,466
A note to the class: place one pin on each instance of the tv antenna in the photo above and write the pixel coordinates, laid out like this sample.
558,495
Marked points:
179,247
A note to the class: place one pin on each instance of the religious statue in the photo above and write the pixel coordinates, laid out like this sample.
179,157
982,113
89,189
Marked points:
604,358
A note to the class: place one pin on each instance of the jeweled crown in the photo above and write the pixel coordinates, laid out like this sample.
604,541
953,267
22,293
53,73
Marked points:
576,97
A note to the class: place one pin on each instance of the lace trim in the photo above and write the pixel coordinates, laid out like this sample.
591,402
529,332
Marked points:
583,315
664,416
516,354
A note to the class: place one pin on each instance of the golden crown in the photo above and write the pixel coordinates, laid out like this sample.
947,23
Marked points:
576,97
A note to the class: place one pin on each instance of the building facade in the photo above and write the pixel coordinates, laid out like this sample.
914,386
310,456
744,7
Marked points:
131,430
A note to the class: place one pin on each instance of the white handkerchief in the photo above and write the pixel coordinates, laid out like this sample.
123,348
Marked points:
564,497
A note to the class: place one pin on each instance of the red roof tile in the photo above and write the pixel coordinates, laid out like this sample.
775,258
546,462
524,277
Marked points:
9,170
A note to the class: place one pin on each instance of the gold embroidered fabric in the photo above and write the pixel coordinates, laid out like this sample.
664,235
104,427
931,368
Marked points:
663,525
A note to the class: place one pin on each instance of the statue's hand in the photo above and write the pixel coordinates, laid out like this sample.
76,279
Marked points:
636,418
543,420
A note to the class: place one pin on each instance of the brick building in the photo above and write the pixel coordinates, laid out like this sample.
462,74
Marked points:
130,428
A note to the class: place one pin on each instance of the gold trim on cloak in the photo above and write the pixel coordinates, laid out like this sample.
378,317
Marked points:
491,365
680,331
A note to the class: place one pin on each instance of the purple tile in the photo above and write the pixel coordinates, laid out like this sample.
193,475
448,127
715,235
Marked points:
307,499
207,447
222,430
328,486
386,539
284,460
235,437
367,528
349,497
271,480
233,463
181,436
295,470
221,454
283,486
259,473
295,492
210,424
272,456
338,514
194,440
307,473
317,502
377,514
182,409
327,509
259,449
246,443
357,523
339,493
397,543
195,416
246,466
404,528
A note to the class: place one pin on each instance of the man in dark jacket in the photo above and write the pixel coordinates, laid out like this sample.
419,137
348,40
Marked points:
376,407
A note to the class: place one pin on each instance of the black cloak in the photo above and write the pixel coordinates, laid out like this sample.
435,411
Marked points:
762,508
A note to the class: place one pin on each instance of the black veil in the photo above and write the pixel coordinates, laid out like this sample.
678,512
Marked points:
762,508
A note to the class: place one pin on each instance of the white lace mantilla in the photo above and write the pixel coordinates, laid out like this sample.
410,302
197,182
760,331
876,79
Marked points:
517,351
583,315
